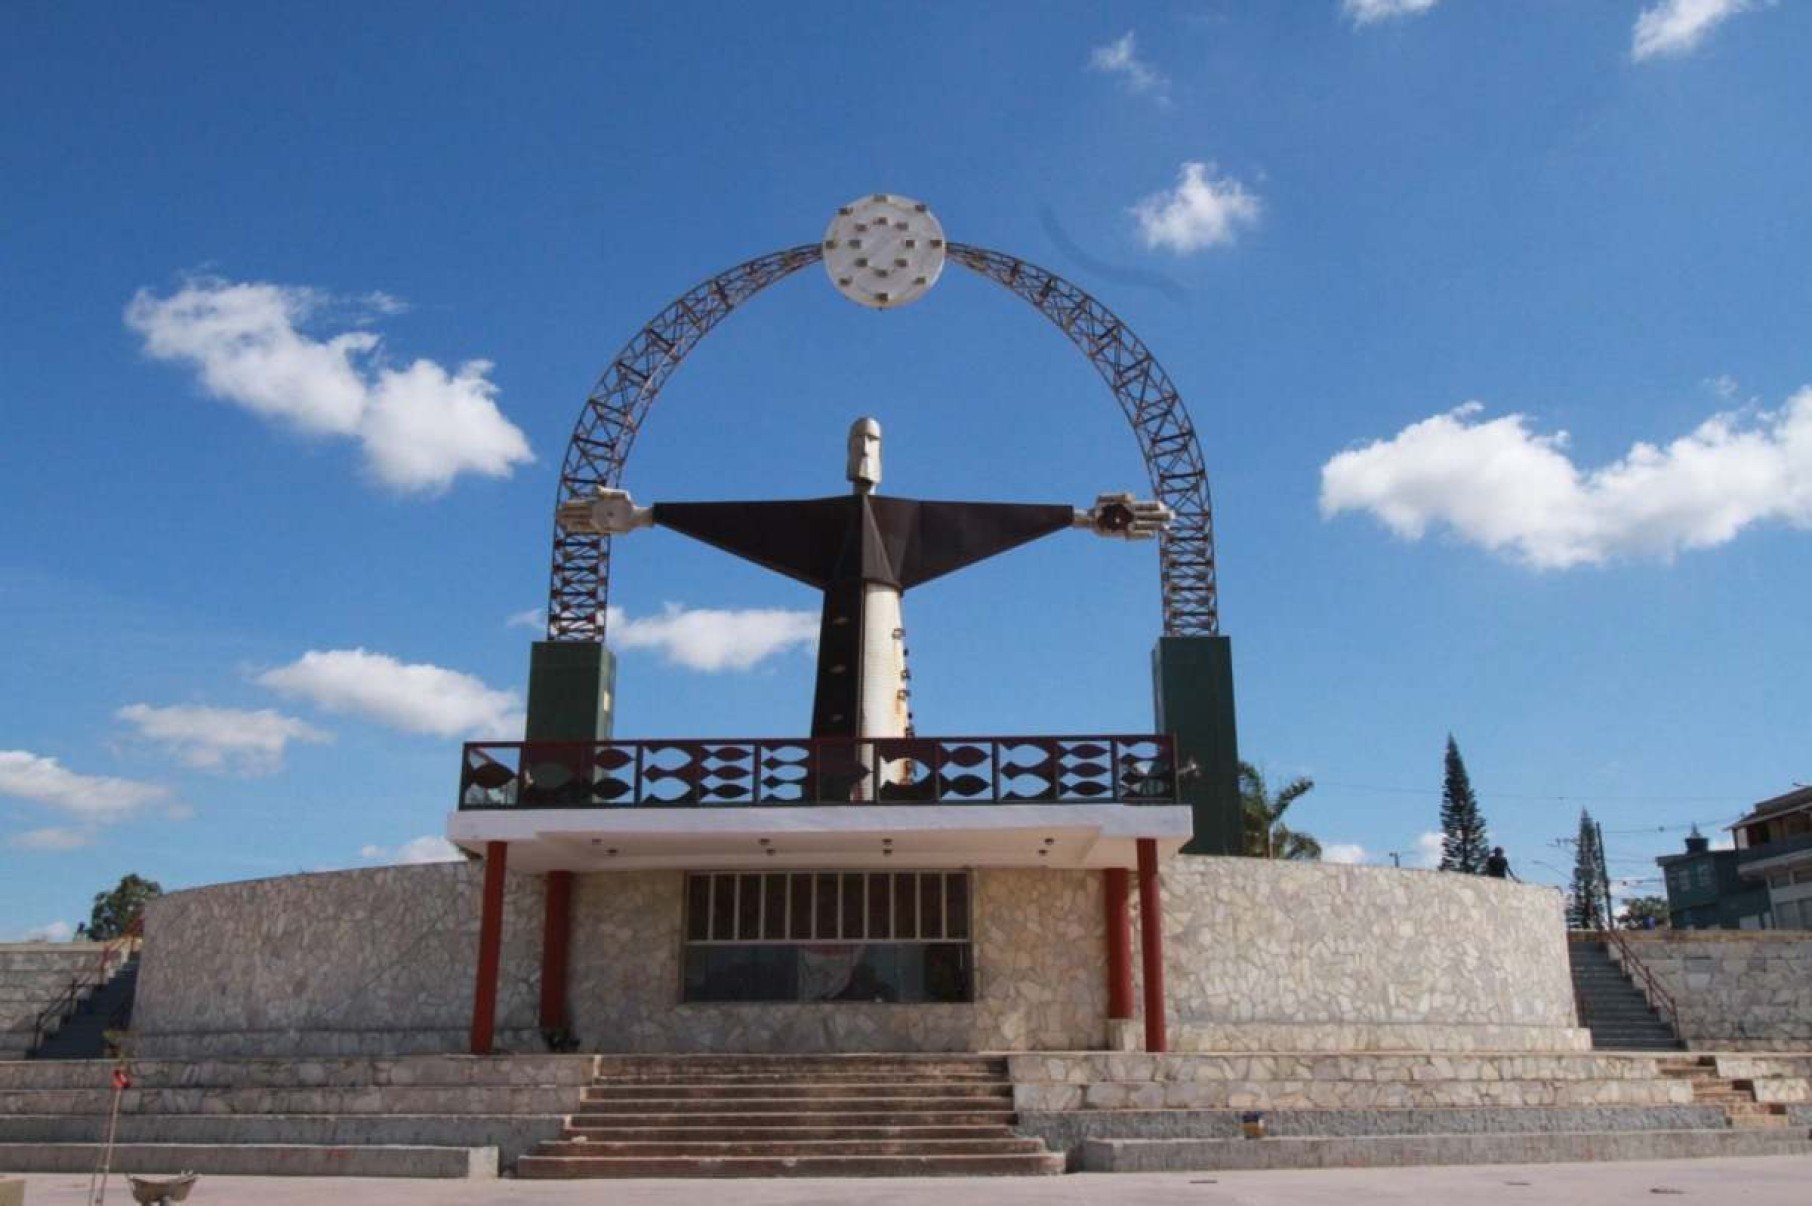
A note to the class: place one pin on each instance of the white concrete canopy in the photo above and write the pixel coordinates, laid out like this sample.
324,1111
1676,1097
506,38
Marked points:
916,836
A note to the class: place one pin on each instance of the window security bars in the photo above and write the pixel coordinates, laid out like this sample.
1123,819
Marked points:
827,906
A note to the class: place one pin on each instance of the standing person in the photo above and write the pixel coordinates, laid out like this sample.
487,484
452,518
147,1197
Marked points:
1497,866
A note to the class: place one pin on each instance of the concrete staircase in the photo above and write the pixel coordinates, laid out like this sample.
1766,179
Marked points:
418,1116
1736,1097
794,1116
33,976
1132,1112
83,1035
1612,1007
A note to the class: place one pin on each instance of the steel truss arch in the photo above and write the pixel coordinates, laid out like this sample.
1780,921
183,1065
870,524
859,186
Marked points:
579,585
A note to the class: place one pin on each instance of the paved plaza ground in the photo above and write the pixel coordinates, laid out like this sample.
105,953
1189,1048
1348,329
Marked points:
1776,1181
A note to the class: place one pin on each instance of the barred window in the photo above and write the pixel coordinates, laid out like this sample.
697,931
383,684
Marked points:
828,936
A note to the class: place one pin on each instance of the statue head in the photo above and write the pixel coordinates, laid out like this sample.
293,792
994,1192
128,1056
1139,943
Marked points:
864,455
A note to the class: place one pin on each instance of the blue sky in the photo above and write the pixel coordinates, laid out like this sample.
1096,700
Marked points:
1492,322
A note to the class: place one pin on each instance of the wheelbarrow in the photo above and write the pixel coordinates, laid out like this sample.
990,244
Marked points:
154,1190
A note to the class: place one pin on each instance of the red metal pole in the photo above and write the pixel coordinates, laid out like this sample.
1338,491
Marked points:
1115,888
1151,945
490,948
556,935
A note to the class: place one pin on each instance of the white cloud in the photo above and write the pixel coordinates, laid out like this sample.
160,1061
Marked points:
1201,211
1676,27
53,837
1723,385
1428,849
420,426
1121,57
53,931
1499,485
250,743
425,849
91,798
1364,12
534,617
417,698
708,639
1344,852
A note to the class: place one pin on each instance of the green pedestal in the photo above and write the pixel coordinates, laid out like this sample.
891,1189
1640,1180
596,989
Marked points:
571,691
1192,684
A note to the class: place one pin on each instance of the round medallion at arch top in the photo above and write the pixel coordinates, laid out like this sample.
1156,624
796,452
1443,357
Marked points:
884,251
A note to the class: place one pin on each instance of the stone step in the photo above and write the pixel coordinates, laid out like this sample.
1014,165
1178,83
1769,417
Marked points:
1622,1030
372,1099
555,1167
668,1073
1070,1129
1177,1155
1012,1145
855,1118
878,1099
351,1072
254,1159
512,1134
731,1076
794,1089
1354,1094
1779,1122
813,1062
754,1132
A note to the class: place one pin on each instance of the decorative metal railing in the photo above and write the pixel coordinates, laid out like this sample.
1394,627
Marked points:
819,771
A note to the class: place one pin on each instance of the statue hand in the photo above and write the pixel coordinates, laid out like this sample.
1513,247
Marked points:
610,513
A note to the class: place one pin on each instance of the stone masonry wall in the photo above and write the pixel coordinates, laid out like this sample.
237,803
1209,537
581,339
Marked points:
1283,956
1259,956
1039,947
1737,990
377,961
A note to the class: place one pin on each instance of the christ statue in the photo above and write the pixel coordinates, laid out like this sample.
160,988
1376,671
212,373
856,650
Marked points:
863,551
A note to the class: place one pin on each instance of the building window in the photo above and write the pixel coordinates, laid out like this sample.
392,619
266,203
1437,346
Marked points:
828,936
1702,875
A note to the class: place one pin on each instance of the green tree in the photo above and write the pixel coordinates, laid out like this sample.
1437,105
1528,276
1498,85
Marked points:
1589,903
1464,843
1638,911
1266,834
115,909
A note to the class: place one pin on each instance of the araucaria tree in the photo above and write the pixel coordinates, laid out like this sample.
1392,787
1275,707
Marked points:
1464,845
1589,903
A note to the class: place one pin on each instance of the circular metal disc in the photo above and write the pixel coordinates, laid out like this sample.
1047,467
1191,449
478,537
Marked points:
884,251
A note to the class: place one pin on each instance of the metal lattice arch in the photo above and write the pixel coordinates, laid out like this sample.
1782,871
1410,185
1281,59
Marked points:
579,587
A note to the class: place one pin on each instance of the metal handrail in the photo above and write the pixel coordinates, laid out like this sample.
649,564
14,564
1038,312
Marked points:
1657,996
86,981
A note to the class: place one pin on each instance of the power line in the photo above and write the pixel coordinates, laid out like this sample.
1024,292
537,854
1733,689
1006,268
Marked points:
1513,795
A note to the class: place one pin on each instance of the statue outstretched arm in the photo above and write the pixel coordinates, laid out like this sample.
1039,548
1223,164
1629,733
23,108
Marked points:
609,513
1124,516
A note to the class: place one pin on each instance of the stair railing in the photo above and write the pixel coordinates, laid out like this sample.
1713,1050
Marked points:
115,949
1658,996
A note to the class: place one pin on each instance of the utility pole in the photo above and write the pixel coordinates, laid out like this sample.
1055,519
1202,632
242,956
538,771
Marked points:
1604,877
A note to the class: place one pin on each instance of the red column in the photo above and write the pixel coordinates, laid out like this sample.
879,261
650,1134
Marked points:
556,934
1119,944
1151,945
490,949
